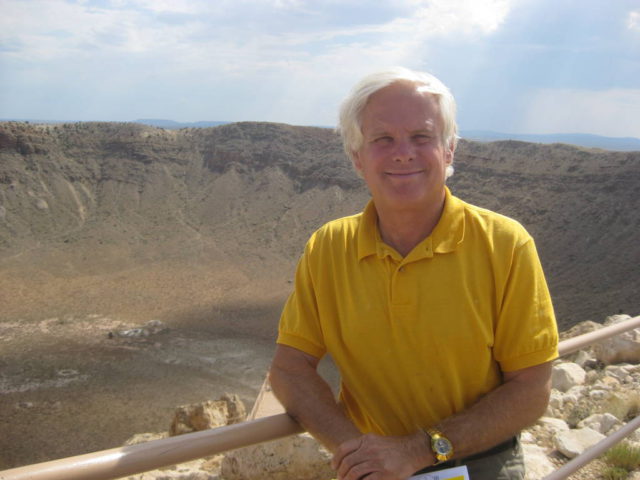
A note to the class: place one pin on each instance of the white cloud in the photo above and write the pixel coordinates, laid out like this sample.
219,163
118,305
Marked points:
633,20
41,30
609,112
160,6
48,29
462,16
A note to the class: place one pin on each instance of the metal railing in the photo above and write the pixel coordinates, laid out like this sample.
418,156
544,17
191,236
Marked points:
129,460
124,461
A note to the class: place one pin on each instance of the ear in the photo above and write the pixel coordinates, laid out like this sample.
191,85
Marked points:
356,161
450,152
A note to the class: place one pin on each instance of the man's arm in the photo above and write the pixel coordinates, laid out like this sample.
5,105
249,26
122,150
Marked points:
308,398
310,401
517,403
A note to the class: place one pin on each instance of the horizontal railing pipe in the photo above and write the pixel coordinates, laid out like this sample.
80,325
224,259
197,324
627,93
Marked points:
129,460
595,451
574,344
133,459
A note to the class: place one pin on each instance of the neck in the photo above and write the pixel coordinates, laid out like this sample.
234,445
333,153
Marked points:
405,229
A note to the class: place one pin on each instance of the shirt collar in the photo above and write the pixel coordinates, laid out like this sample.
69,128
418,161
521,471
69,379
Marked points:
445,237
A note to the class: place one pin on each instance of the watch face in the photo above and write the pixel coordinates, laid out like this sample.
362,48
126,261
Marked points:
442,446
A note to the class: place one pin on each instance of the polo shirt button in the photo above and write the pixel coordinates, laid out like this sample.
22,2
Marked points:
401,269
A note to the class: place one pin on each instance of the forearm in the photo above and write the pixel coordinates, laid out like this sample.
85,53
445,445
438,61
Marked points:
309,400
500,414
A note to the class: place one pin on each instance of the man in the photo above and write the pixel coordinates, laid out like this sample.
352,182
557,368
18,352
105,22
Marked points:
436,312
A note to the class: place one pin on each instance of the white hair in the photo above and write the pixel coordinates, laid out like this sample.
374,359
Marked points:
350,119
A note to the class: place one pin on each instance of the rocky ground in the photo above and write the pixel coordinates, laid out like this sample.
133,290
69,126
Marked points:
75,385
595,392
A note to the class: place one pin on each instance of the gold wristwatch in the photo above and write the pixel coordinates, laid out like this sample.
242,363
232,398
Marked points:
441,446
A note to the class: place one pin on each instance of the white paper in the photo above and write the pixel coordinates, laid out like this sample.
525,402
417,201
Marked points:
455,473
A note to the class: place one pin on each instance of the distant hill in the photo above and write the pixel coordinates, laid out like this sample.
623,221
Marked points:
622,144
173,125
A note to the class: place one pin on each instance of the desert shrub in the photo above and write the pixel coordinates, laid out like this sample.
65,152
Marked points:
615,473
624,407
577,414
622,457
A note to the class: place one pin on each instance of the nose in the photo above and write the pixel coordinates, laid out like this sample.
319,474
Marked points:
404,151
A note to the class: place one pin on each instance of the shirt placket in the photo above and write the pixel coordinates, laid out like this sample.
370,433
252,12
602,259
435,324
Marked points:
402,301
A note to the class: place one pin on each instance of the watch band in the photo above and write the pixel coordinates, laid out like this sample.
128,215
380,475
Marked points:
441,445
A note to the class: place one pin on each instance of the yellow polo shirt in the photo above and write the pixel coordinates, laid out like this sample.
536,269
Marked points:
420,338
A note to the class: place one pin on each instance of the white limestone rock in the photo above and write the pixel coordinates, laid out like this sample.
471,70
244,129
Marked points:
574,394
144,437
608,382
620,372
537,464
195,470
597,394
299,457
553,424
572,443
586,359
604,423
564,376
556,403
582,328
592,376
620,348
527,437
210,414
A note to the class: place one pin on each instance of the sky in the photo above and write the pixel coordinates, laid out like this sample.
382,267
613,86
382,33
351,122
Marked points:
514,66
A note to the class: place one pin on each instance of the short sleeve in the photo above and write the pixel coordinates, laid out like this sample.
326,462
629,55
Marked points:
526,332
300,326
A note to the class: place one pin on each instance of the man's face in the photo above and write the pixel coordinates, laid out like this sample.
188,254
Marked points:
402,158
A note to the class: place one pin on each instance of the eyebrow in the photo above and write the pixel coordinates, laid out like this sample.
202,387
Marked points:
430,129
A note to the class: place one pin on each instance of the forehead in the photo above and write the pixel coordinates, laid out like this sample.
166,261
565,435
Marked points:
401,106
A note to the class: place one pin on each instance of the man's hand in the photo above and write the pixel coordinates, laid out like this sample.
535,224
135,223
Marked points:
376,457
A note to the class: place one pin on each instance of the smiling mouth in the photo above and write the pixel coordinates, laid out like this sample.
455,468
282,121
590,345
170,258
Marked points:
403,174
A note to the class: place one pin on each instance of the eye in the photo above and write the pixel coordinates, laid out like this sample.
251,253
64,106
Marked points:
422,138
383,140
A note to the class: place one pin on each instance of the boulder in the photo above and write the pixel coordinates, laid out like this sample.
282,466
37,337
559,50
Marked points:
553,424
604,423
556,403
620,372
299,457
572,443
210,414
537,464
574,394
201,469
585,359
624,347
582,328
567,375
144,437
236,413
